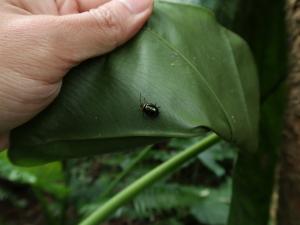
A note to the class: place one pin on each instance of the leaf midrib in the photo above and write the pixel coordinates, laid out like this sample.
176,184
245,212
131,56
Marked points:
194,67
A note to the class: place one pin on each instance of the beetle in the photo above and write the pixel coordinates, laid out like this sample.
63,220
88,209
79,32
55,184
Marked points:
151,110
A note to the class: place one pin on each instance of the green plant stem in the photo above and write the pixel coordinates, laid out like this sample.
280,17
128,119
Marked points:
44,204
101,214
132,165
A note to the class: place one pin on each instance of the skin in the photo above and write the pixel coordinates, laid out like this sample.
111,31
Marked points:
41,40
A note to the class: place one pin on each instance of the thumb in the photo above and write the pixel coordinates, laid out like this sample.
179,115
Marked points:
100,30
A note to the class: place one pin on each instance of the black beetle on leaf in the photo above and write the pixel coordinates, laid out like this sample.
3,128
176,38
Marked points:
149,109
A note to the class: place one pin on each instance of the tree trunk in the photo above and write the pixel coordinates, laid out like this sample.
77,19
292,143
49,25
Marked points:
289,194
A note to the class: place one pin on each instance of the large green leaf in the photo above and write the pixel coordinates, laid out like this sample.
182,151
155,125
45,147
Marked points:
255,172
198,73
225,11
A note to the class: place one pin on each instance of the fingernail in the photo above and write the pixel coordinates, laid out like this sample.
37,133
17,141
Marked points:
137,6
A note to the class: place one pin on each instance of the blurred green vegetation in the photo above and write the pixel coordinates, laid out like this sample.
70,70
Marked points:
64,193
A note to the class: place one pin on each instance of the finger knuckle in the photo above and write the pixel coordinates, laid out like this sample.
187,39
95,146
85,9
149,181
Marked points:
108,24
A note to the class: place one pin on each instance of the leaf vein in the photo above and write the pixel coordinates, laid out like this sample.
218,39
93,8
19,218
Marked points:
163,40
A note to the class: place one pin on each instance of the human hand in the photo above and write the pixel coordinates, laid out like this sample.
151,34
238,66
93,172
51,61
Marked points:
41,40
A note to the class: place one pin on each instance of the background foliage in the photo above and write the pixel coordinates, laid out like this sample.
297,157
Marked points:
197,194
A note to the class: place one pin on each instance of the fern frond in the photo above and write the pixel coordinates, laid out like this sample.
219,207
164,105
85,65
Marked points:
166,197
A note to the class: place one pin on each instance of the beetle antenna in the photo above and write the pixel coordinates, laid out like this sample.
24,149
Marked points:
140,98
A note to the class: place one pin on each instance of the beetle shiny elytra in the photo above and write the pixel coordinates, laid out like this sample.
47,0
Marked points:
149,109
